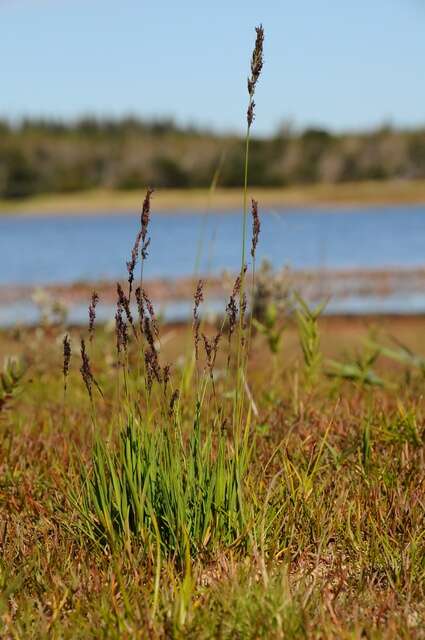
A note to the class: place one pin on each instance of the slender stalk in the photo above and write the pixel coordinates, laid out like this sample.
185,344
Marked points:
256,68
245,204
238,396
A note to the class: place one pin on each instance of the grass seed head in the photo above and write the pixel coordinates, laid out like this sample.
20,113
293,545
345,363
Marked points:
256,226
120,329
144,220
151,310
257,61
173,401
153,368
124,303
66,359
198,298
232,314
131,264
211,348
238,282
92,313
250,114
140,308
166,375
85,369
148,333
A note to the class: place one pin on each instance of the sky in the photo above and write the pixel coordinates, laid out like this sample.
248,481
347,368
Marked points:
339,64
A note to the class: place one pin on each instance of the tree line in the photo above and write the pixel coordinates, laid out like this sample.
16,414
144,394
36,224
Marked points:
48,156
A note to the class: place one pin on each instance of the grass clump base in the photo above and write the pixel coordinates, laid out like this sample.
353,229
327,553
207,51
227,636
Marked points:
163,492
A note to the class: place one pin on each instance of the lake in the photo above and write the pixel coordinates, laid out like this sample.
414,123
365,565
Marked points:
40,250
47,249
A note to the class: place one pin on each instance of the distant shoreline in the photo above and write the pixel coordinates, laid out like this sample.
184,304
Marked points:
361,194
313,283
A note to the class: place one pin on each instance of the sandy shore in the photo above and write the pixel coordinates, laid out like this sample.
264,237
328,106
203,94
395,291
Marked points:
336,284
339,195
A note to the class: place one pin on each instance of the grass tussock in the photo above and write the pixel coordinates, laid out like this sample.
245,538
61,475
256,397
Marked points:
158,491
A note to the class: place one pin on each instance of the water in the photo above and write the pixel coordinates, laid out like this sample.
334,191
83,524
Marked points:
26,312
42,250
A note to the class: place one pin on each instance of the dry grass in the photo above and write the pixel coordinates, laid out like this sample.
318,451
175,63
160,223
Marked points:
332,195
344,487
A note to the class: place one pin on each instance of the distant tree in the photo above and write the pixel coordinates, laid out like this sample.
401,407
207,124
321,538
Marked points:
169,173
19,177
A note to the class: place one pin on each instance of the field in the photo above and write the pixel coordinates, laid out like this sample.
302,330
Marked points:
332,541
106,201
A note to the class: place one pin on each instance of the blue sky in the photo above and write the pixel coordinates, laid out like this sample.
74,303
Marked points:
334,63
